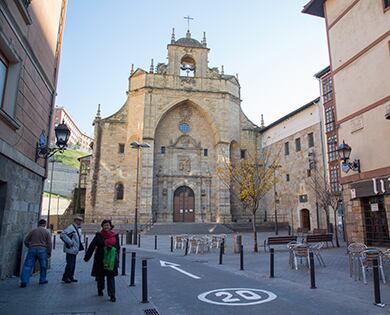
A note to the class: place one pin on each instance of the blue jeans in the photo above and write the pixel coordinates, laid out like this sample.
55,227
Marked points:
33,254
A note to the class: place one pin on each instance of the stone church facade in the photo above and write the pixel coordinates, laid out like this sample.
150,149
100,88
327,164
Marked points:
190,115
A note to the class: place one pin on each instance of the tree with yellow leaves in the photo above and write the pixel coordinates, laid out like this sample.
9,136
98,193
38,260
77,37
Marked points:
249,180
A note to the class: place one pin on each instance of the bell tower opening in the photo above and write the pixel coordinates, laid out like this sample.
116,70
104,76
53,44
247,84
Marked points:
187,66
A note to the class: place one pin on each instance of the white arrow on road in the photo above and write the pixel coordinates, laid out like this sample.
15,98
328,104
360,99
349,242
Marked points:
176,267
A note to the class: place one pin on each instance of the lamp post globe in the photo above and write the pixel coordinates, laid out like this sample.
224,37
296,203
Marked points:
62,135
344,151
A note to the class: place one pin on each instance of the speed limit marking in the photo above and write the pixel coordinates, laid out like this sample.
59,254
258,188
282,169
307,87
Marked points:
237,296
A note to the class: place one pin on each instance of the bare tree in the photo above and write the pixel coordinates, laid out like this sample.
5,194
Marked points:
249,180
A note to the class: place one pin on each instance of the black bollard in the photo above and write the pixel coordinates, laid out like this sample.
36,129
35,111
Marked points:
86,243
132,274
289,230
171,244
242,257
271,263
144,281
186,251
139,240
131,237
123,261
54,241
377,292
122,239
155,242
223,246
312,272
85,234
221,253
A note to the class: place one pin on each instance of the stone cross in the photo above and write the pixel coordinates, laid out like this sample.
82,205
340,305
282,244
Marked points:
188,18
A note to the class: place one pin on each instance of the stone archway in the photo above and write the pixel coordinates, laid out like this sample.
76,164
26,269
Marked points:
184,205
305,219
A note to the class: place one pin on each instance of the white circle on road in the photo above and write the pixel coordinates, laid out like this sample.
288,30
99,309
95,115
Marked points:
237,296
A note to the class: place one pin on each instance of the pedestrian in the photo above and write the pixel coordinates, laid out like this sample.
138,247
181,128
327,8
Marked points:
38,242
105,244
72,246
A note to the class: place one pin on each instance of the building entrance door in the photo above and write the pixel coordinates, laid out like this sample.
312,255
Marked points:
305,219
184,205
375,221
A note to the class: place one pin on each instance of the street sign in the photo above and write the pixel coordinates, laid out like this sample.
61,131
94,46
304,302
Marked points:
237,296
176,267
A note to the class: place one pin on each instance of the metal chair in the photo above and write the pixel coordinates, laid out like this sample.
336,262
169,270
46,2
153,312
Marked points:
301,251
316,250
367,261
354,251
290,247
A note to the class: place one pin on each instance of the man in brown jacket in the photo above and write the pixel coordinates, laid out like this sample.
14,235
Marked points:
38,242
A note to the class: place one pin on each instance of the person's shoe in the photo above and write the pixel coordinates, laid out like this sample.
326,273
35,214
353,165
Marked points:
23,285
112,299
74,280
66,281
43,282
100,293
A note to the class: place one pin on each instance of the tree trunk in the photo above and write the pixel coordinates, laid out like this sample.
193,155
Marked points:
255,248
335,227
327,221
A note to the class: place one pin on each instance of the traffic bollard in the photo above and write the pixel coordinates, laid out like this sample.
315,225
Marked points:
145,281
139,240
155,242
121,239
54,241
312,272
123,261
377,292
86,243
242,257
221,253
271,263
223,246
289,230
85,234
186,251
132,274
171,244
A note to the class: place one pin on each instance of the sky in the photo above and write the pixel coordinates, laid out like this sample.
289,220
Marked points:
274,48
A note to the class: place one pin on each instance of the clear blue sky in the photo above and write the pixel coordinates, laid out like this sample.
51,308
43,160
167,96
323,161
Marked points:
274,48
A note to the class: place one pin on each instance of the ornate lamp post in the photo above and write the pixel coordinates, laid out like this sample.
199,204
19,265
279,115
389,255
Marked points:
344,151
138,146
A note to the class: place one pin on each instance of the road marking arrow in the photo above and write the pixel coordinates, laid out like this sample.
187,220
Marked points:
176,267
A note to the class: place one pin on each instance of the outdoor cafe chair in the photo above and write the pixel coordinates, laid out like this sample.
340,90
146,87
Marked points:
180,241
367,261
290,247
316,250
354,251
300,251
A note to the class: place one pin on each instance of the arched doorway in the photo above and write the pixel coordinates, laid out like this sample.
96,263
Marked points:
184,205
305,219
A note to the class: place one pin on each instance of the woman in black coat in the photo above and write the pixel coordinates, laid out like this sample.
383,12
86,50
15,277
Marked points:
108,239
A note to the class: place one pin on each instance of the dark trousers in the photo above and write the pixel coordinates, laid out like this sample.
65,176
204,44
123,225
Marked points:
110,284
70,267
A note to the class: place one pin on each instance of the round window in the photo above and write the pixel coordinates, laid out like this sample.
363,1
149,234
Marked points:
184,127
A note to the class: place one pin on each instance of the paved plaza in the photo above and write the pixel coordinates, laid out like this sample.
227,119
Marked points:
180,285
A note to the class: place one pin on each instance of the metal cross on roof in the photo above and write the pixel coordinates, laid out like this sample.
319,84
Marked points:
188,18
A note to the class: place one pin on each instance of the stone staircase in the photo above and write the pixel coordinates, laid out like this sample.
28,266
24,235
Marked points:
188,228
260,227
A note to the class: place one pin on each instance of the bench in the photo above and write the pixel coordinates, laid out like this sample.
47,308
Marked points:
278,240
317,238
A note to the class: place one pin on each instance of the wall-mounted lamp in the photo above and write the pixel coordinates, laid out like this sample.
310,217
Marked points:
62,135
344,151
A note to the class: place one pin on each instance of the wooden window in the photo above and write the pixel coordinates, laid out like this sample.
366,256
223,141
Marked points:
287,177
329,119
205,152
162,150
298,144
119,191
286,149
327,89
3,77
310,139
334,178
121,148
243,154
332,148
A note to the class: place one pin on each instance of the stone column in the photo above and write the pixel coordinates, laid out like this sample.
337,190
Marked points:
223,214
146,182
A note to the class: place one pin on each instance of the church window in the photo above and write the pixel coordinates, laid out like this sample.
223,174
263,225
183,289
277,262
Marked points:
298,144
243,154
184,127
286,149
205,152
121,148
187,66
119,191
162,150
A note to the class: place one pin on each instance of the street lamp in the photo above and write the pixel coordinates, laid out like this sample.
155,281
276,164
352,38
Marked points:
53,160
62,133
138,146
344,151
274,167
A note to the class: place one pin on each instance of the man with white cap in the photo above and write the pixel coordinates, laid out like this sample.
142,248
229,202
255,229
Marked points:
71,237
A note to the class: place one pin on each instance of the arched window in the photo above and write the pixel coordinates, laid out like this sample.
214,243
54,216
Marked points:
119,191
187,66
